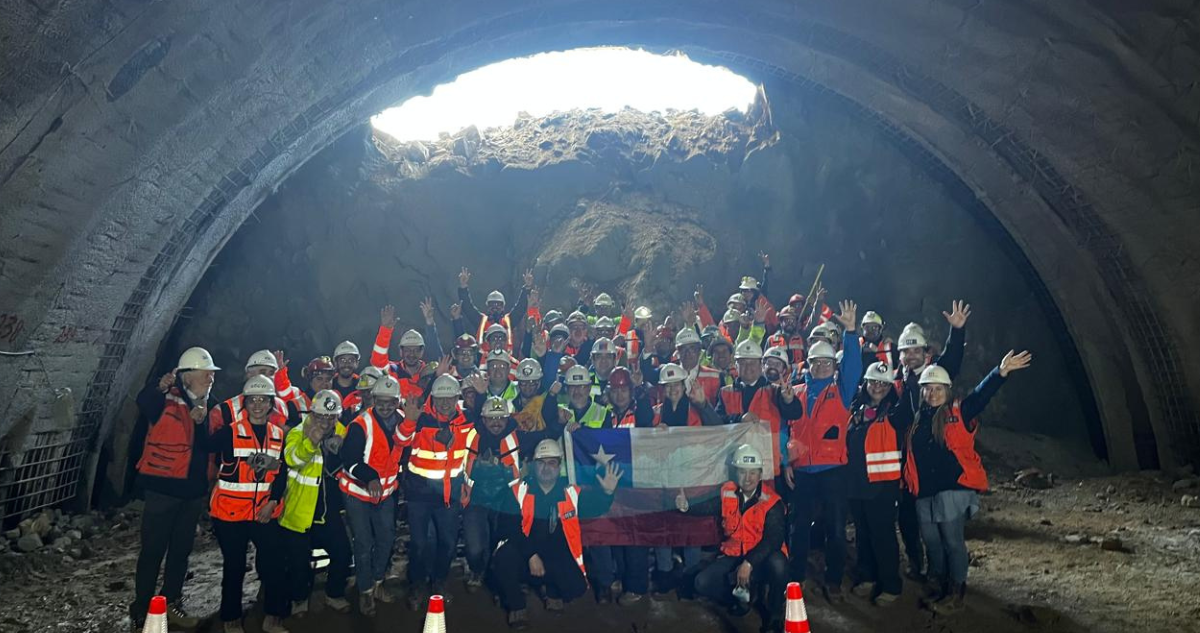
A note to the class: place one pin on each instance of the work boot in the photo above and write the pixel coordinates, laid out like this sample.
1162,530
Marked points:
554,605
273,624
932,591
604,596
383,594
177,617
884,599
629,599
366,604
914,573
863,589
474,582
341,605
616,587
953,601
518,620
299,607
833,593
233,626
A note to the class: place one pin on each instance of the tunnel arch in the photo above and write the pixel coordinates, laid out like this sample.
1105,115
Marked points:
186,170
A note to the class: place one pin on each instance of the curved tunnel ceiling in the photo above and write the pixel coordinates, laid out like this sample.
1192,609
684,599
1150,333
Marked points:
136,137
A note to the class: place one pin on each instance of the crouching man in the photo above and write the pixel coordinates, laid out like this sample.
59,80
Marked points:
752,554
542,543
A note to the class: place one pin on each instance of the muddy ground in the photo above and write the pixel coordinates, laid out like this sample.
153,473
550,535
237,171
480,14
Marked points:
1039,563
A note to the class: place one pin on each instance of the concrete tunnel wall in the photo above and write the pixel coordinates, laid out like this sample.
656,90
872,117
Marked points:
136,137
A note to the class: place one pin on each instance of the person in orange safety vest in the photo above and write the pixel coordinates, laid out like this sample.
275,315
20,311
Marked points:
477,322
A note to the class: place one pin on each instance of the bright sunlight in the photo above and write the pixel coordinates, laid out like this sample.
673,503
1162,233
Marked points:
605,78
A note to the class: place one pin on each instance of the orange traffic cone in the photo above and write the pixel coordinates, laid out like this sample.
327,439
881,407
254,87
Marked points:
156,618
435,617
795,617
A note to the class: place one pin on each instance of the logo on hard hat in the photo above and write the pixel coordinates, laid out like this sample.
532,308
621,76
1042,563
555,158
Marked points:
330,404
526,371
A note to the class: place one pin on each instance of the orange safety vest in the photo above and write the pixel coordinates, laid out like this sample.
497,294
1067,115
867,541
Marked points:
633,345
883,353
168,448
818,438
796,346
429,458
961,442
628,420
240,492
710,382
384,460
484,322
568,518
743,531
237,403
509,456
762,406
882,452
693,418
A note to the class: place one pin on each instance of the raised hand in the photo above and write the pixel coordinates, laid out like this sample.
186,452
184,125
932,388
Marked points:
427,310
167,380
455,311
612,475
627,312
387,316
696,395
681,501
280,359
698,295
688,312
1014,362
443,366
527,278
848,316
478,383
959,312
746,319
412,409
585,293
766,259
760,311
464,277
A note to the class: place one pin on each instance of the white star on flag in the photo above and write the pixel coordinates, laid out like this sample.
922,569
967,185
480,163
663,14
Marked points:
601,457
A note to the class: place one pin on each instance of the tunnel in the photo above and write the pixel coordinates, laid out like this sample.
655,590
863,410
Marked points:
1038,159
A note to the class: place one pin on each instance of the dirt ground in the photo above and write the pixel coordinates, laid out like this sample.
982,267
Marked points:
1039,563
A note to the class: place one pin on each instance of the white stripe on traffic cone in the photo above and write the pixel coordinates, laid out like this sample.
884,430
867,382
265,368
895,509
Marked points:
435,616
795,616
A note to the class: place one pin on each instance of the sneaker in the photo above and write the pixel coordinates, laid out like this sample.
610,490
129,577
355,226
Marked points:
177,617
383,594
863,589
366,604
884,599
834,594
273,624
629,599
299,607
474,582
554,605
953,601
341,605
234,626
518,620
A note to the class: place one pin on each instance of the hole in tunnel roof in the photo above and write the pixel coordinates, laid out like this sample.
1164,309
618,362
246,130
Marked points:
609,78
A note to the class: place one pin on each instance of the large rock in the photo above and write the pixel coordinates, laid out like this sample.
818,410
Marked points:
29,543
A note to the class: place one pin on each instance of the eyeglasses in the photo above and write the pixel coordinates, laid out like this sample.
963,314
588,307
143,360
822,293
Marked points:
258,399
821,362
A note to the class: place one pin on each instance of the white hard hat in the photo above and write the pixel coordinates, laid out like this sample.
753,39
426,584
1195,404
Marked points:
911,339
604,299
777,353
496,407
446,386
670,372
604,345
495,328
196,358
495,295
746,457
262,358
736,298
935,375
642,313
529,369
821,349
577,317
577,375
872,317
345,348
412,338
731,315
687,336
369,376
747,349
498,356
605,322
259,386
327,402
749,283
879,372
548,449
913,327
386,387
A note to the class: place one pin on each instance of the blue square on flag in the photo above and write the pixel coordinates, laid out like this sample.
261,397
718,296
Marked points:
593,448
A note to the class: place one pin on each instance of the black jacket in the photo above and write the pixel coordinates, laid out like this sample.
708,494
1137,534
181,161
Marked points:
546,536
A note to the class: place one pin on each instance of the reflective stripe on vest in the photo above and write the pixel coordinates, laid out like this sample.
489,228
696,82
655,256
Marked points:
240,491
484,348
882,452
795,346
386,463
433,460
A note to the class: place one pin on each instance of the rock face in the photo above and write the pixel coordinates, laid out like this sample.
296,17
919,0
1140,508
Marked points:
647,212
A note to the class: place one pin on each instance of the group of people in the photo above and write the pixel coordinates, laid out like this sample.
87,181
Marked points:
864,427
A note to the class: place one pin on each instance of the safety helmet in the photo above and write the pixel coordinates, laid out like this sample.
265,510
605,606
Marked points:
320,363
911,339
466,341
262,358
386,387
687,336
553,316
529,369
577,375
746,457
565,363
747,349
913,327
787,311
748,283
776,352
709,331
495,296
560,330
259,386
548,449
642,313
821,349
345,348
719,341
499,356
577,317
196,358
935,375
669,373
796,299
603,300
496,407
879,372
603,345
736,298
620,377
605,323
494,328
820,330
731,316
446,386
369,376
412,338
327,402
872,318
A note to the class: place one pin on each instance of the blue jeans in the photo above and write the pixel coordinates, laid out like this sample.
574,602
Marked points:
664,562
478,523
946,547
431,557
374,530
